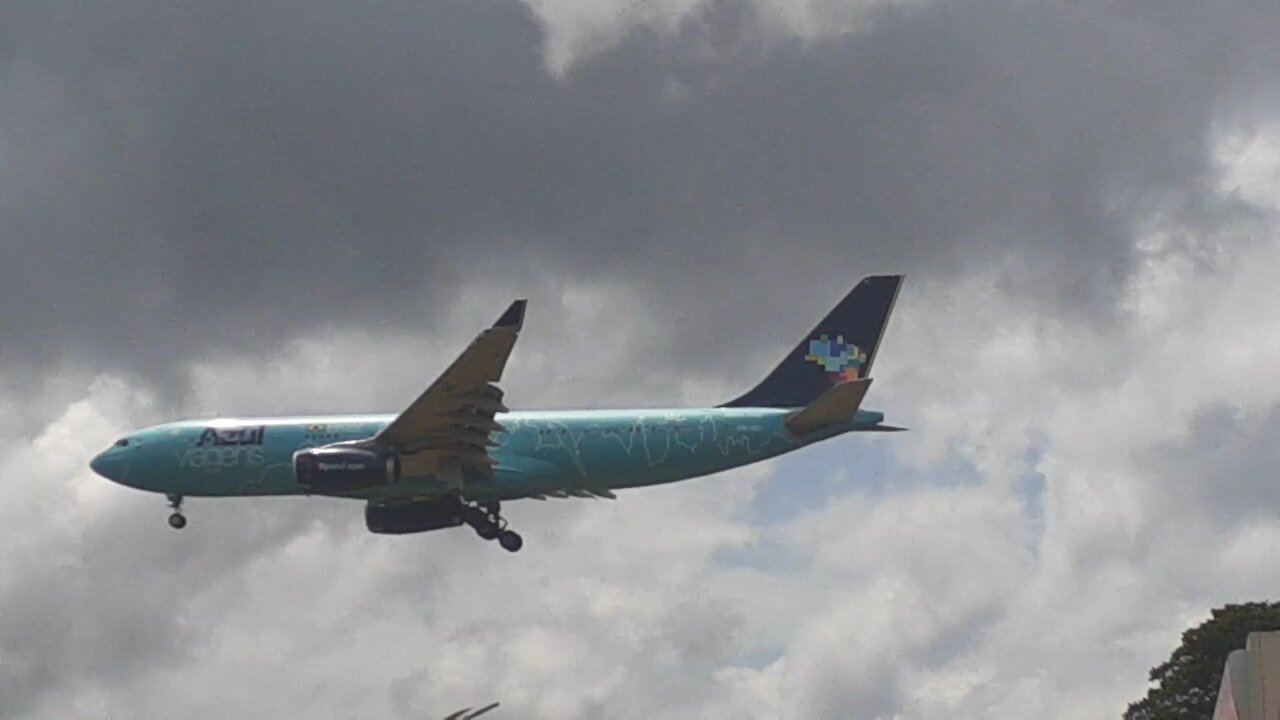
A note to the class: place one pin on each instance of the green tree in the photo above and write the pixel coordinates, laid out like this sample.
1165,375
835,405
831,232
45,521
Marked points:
1187,683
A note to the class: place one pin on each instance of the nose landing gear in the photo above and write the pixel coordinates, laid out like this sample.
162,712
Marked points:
490,525
177,520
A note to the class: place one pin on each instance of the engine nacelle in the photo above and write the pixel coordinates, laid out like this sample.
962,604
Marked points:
413,518
337,470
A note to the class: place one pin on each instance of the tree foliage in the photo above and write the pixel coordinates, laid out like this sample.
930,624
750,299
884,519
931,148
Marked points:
1187,683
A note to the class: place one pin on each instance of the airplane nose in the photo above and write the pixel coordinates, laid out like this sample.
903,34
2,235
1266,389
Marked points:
111,468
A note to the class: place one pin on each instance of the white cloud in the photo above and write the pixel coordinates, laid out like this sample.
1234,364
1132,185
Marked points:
1113,472
576,31
1249,156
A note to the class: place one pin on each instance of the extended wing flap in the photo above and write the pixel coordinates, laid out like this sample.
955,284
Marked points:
570,493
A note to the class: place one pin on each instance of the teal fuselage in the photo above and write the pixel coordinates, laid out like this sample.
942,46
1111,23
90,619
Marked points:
535,453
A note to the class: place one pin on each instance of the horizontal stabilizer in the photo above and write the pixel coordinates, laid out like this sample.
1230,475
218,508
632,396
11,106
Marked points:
833,406
882,428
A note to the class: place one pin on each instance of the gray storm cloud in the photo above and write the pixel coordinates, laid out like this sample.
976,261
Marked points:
189,180
216,208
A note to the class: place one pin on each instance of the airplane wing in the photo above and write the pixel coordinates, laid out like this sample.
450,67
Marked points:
446,430
572,492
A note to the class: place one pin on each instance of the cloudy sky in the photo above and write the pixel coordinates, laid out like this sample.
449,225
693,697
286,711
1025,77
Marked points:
273,207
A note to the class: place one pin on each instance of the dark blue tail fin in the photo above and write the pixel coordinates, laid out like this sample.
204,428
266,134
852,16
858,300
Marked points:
842,347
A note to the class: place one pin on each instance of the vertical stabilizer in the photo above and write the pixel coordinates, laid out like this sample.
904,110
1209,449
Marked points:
841,348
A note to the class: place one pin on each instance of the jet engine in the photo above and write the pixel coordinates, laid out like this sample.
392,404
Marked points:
336,470
414,517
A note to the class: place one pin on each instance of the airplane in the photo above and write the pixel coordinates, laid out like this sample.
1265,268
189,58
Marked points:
457,452
469,714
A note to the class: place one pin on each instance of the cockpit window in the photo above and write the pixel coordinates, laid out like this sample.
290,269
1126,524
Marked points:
122,442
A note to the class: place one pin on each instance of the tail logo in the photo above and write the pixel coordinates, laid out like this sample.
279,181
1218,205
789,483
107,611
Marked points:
841,360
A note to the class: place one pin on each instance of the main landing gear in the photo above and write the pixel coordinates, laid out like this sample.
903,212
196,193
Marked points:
177,520
490,525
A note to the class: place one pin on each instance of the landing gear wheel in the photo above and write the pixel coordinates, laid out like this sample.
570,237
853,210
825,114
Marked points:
486,519
176,520
474,516
510,540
